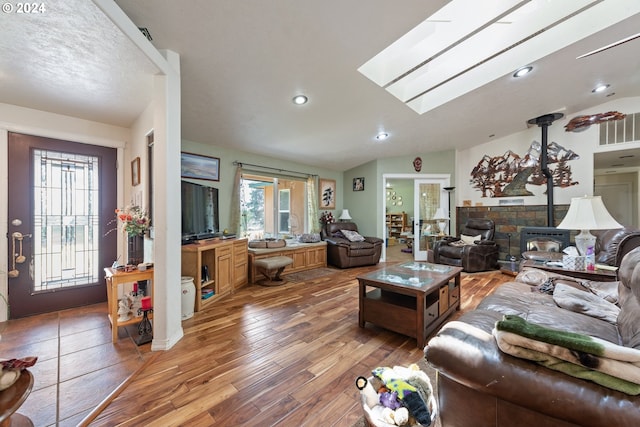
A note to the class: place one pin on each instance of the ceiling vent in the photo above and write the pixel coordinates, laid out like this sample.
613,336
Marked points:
145,32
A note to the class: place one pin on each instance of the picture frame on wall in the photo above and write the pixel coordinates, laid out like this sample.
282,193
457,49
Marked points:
198,166
327,193
358,184
135,171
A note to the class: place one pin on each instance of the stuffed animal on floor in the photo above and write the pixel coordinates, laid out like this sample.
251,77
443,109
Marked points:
398,380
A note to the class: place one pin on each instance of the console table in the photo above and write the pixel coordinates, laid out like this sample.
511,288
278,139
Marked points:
114,278
306,256
597,275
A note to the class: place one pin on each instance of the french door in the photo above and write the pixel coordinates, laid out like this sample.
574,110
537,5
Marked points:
61,202
429,196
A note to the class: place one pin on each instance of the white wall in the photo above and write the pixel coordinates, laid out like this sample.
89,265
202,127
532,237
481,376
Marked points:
584,143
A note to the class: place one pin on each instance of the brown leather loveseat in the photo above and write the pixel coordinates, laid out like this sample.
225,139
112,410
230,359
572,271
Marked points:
344,253
480,385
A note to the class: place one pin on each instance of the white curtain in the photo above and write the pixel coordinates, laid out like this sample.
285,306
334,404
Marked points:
236,197
312,204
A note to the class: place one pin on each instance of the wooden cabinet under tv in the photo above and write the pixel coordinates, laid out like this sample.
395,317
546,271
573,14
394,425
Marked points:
226,269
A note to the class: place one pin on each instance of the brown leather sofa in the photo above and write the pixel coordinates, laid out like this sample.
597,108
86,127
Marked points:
343,253
479,385
482,255
611,246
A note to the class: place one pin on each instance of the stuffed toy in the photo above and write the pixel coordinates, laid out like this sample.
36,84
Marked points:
398,380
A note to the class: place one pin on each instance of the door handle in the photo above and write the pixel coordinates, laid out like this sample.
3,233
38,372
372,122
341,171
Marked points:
17,257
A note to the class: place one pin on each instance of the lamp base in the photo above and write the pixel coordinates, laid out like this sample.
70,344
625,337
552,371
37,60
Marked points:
585,240
442,225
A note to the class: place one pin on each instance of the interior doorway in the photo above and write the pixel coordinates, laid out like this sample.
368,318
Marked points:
415,198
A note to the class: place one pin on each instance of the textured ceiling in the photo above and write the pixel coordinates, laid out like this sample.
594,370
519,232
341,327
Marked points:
72,60
243,61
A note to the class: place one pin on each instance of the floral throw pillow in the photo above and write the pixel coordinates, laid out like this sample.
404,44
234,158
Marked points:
352,236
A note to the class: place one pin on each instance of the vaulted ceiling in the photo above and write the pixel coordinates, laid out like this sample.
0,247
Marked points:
243,61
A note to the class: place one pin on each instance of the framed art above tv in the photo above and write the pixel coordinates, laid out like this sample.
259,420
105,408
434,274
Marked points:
198,166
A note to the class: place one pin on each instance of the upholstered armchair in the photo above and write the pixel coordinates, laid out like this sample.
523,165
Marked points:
474,250
346,249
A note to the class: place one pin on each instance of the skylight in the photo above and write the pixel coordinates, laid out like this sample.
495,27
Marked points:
468,44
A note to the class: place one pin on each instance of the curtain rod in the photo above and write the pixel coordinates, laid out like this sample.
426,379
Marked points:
236,163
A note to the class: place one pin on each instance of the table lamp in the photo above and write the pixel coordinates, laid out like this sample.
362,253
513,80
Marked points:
441,219
587,213
344,216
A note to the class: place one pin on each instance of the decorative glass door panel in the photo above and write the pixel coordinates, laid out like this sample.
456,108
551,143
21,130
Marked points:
428,198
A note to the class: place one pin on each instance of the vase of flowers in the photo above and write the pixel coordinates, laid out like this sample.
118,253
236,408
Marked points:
135,223
326,218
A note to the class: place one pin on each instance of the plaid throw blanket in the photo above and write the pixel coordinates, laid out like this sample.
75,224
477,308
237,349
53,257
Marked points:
581,356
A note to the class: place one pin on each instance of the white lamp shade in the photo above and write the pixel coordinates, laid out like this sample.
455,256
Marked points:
344,216
588,213
439,215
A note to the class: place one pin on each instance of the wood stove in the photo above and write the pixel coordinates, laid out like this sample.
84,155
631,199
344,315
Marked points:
545,239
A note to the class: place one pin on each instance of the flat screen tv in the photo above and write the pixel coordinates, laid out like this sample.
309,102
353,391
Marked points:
199,212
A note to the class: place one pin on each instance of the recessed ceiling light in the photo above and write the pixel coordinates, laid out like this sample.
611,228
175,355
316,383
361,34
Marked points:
522,71
600,88
382,136
300,99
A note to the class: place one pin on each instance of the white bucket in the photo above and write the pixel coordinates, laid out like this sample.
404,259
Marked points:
188,296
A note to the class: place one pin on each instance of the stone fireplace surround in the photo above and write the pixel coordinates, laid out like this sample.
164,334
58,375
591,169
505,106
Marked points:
510,220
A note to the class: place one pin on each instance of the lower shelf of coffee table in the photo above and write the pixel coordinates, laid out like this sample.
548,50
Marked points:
398,312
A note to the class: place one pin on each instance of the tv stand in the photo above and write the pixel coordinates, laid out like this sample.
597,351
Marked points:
226,264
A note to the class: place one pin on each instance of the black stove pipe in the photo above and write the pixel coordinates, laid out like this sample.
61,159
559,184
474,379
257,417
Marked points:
544,122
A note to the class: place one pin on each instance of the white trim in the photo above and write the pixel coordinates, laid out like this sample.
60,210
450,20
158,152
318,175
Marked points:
413,176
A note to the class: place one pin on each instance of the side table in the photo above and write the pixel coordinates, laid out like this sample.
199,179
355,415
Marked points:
117,277
12,398
597,275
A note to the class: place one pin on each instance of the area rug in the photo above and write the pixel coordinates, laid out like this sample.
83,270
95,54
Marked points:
316,273
432,376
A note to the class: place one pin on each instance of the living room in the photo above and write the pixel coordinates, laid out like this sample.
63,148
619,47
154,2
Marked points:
439,156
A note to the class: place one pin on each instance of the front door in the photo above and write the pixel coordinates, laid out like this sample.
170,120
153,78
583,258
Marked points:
428,196
62,197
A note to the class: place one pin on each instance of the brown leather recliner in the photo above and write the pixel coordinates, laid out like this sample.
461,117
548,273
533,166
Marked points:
343,253
482,255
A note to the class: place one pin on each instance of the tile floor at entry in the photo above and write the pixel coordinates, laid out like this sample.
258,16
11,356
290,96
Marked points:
78,365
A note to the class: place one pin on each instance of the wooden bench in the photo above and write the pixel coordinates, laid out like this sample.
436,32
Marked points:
272,268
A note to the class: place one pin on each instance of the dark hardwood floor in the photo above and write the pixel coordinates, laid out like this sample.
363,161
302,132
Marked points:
286,356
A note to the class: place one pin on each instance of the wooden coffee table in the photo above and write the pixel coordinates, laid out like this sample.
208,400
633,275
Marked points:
412,299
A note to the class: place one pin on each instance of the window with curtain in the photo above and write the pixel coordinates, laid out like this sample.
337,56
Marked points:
272,206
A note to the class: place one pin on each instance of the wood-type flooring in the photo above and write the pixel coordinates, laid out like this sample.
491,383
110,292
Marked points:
283,356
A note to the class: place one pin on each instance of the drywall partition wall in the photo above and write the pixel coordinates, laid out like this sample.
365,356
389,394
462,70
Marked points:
362,204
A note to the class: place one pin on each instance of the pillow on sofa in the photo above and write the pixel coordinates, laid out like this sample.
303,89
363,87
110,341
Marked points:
352,236
605,290
585,303
470,239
